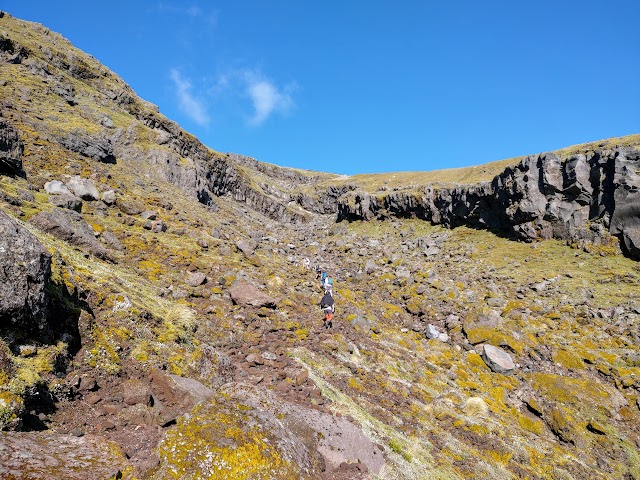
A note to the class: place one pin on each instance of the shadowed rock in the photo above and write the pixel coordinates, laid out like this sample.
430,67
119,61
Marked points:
83,188
97,147
69,226
67,201
11,149
25,268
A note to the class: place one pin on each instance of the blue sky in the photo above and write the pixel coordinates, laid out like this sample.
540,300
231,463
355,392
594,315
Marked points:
358,86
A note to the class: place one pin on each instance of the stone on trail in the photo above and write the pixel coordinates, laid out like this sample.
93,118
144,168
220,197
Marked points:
246,294
135,392
498,360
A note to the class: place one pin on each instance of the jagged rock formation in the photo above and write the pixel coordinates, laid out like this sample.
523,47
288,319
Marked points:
11,149
582,198
25,269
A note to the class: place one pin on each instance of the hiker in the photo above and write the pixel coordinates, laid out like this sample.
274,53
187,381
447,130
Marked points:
327,284
306,263
318,271
328,307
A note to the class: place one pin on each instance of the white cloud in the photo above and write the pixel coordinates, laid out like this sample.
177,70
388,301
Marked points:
266,98
187,102
193,11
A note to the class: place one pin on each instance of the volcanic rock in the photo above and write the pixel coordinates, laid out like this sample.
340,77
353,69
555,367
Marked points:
25,269
245,293
498,360
69,226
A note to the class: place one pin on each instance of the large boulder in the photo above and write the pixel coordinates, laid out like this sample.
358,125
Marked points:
70,226
66,200
336,439
247,432
25,269
30,455
11,149
246,294
56,187
83,188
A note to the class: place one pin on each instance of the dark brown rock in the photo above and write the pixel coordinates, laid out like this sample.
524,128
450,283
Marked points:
135,391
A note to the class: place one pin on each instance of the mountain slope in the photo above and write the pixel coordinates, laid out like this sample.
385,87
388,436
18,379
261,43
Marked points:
181,335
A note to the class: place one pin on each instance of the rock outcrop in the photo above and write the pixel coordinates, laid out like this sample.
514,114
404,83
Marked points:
585,197
27,455
11,149
69,226
25,269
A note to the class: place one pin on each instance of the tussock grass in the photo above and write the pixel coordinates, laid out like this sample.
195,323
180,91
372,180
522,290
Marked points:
475,407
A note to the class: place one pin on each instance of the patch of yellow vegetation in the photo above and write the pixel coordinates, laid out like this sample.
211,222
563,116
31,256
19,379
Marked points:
531,424
568,359
220,440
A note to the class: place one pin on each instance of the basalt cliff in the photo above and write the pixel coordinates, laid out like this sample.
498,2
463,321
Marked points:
158,319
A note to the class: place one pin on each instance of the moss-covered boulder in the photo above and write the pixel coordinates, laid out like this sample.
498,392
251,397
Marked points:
28,455
223,438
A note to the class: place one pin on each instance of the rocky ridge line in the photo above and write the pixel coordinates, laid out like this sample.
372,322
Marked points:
584,198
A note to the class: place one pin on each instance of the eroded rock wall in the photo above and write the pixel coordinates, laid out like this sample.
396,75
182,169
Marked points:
585,197
25,269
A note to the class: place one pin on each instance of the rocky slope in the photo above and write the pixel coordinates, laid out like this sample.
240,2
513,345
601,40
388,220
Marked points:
157,322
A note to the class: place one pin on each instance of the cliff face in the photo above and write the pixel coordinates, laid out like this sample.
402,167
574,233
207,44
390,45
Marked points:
586,197
77,105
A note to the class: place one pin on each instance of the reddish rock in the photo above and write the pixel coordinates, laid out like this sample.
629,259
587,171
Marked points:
246,294
172,389
135,391
297,375
92,398
254,359
30,455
